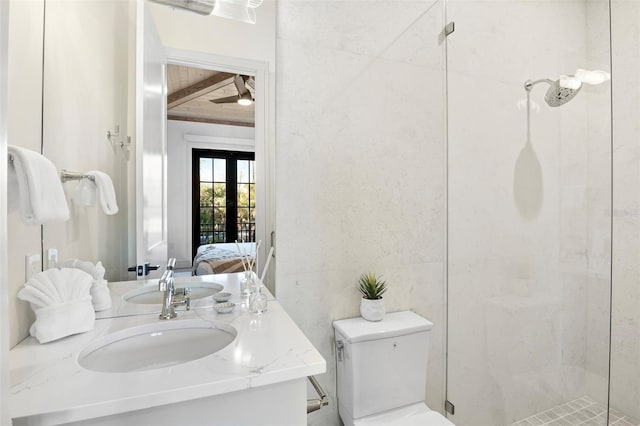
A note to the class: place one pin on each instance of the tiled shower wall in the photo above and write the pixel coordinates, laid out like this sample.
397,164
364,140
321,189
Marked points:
625,342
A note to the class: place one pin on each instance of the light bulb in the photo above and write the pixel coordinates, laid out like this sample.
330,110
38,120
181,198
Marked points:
592,77
569,82
245,101
237,10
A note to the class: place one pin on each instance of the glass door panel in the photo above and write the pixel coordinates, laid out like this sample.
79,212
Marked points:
529,214
625,326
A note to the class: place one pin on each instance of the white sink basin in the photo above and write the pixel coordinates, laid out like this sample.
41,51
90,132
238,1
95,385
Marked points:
149,295
157,345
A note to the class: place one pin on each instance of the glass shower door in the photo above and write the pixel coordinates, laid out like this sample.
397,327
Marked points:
529,214
625,315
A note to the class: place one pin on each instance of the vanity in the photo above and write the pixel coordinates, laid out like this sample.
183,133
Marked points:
258,378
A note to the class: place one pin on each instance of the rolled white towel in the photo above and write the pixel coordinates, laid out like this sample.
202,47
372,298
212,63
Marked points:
35,188
61,301
101,296
96,271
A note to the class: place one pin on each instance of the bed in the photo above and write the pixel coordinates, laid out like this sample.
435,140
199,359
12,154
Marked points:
222,258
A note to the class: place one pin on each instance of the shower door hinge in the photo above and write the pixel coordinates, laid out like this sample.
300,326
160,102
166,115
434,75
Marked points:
449,407
449,28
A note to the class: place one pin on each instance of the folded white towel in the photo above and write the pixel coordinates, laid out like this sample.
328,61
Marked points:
35,187
100,294
106,191
61,300
58,321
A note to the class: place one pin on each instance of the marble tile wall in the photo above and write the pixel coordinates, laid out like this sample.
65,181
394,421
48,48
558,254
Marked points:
360,167
599,204
625,343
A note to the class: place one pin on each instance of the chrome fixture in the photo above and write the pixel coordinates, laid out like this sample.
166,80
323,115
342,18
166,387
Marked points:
556,95
316,404
172,297
567,87
339,349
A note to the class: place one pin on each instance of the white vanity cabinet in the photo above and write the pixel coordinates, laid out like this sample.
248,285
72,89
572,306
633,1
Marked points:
258,379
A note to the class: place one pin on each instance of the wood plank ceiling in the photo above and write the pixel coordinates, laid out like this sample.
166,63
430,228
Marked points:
191,90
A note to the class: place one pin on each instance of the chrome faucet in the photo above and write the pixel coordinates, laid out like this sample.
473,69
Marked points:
172,297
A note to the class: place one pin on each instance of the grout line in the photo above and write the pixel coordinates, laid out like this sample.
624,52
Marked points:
588,404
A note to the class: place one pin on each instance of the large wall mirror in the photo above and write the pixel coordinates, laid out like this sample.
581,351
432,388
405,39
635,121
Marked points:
102,60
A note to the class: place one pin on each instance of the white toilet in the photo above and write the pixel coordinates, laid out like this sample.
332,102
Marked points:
382,371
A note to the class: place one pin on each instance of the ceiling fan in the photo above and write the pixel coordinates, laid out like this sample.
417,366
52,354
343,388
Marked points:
244,97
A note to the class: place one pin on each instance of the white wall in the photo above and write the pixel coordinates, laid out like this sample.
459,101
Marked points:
85,94
182,137
4,253
180,29
625,357
23,129
360,167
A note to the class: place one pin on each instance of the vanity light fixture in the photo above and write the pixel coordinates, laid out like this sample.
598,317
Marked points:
238,10
201,7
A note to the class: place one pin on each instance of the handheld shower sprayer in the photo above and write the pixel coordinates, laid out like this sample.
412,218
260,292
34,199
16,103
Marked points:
565,88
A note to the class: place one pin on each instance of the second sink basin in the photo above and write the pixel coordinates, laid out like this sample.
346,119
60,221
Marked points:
156,345
149,295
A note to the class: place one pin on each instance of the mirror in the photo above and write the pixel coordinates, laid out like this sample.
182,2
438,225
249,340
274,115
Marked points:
90,121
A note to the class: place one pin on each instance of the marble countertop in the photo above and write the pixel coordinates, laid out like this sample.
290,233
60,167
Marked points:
48,386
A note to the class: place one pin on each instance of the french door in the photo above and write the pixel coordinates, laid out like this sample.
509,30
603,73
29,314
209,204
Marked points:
223,198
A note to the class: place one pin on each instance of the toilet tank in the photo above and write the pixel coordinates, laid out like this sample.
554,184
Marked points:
381,365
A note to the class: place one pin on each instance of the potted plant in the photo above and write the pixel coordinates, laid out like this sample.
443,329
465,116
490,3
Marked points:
372,303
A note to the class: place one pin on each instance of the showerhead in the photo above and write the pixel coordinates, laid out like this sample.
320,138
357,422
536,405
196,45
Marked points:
559,92
558,95
566,88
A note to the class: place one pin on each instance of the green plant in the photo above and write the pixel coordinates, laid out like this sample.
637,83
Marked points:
371,286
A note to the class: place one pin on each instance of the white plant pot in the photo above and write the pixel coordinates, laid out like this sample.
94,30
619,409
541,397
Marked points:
372,309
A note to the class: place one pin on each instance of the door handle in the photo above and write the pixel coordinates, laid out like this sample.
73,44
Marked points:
143,270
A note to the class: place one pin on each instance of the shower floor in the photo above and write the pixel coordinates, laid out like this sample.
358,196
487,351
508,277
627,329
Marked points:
582,411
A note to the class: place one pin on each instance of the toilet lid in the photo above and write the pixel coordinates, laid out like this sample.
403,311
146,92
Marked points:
413,415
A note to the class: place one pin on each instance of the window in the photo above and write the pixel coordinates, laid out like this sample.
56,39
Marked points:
223,198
